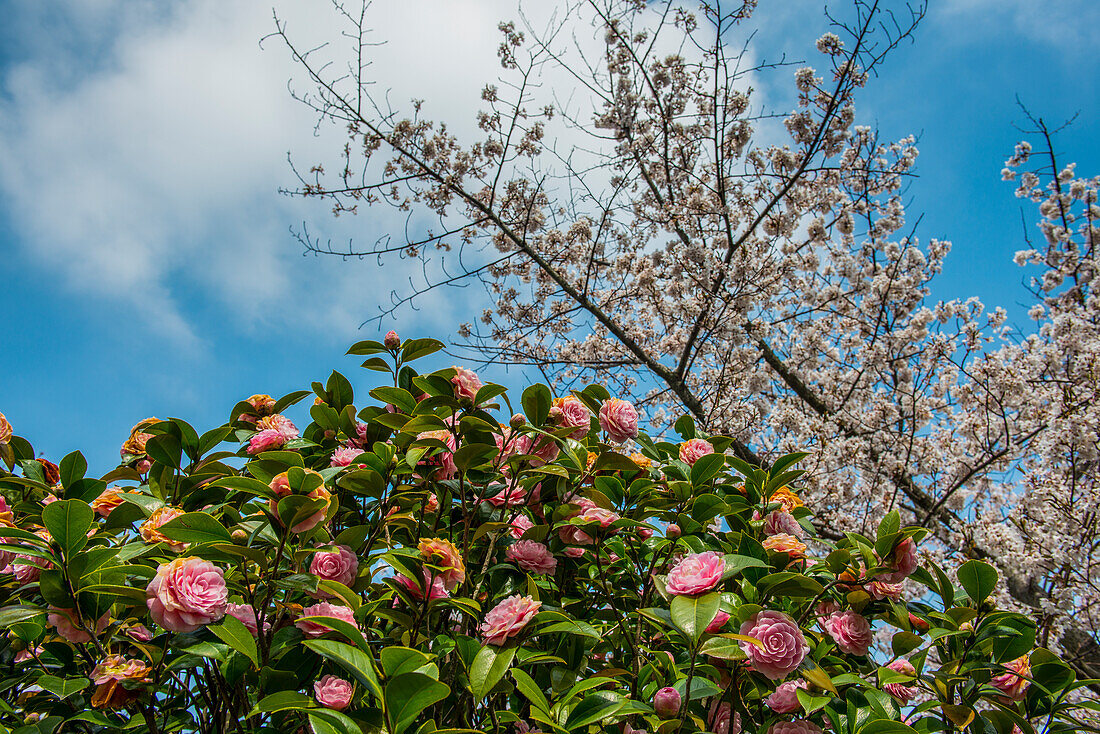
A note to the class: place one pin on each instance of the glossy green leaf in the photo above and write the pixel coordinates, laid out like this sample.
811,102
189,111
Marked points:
232,632
978,578
68,522
196,527
489,666
407,696
692,614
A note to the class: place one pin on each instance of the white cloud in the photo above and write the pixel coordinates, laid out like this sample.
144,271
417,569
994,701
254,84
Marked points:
142,151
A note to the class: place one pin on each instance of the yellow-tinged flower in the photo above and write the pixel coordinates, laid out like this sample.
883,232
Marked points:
5,429
643,462
787,499
109,674
784,543
150,529
443,554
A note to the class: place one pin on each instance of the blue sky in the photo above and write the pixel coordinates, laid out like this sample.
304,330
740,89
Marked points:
144,248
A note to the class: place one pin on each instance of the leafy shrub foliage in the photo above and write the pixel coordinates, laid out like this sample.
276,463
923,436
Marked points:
417,565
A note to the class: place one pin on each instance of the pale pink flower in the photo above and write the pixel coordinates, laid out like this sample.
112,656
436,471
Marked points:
340,565
696,574
619,420
65,620
246,615
644,533
266,440
573,535
466,383
903,561
718,622
778,522
599,515
1013,683
139,633
794,727
520,525
722,720
694,449
666,702
784,699
442,462
545,448
49,499
324,609
851,631
29,653
570,412
187,594
573,552
334,693
437,590
782,644
508,618
901,691
280,423
344,455
27,573
508,497
882,590
532,556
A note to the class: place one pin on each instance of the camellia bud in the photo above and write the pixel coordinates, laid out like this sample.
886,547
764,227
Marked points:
517,421
666,702
918,624
673,531
391,341
238,534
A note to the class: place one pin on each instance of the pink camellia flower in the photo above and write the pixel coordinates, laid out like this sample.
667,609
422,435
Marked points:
718,622
532,556
508,618
49,499
851,631
1013,683
280,423
598,514
666,702
466,383
782,523
436,591
320,493
29,653
784,543
246,615
340,565
644,533
722,720
139,633
546,449
784,700
571,412
619,420
573,535
508,497
442,462
882,590
65,620
266,440
391,340
187,594
324,609
693,450
7,517
108,500
900,691
903,560
520,525
28,573
696,574
573,552
782,644
332,692
794,727
344,455
5,429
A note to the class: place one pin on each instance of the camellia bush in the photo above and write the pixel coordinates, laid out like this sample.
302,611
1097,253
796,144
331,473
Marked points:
438,562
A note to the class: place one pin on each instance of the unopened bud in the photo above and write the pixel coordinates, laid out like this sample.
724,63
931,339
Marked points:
666,702
391,341
673,531
517,421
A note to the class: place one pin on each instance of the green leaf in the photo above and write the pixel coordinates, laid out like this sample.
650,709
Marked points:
890,524
352,659
233,633
408,695
397,660
886,726
706,468
692,614
417,348
685,426
196,527
17,614
536,404
526,685
72,468
165,449
978,578
68,522
722,647
489,666
282,701
401,399
62,687
593,709
330,721
787,583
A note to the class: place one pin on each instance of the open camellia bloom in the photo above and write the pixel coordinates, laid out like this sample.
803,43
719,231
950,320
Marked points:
187,593
449,576
507,619
696,574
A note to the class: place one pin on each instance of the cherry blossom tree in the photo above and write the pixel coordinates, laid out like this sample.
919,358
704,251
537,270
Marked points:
638,215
